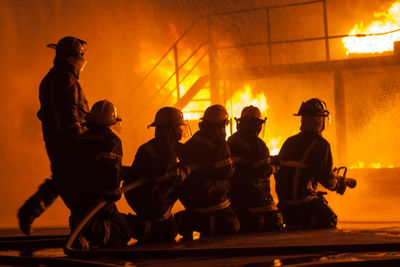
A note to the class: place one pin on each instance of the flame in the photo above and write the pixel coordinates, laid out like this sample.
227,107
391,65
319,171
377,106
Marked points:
386,21
373,165
243,98
274,145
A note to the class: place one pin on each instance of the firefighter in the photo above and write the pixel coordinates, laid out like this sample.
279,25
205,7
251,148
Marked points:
96,174
204,193
153,201
63,107
250,192
300,203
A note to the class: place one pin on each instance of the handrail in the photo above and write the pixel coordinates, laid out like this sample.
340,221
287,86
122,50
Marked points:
307,39
168,51
186,75
180,67
326,37
188,29
262,8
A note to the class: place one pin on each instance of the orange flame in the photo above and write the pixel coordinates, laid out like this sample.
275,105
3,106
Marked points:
373,165
386,21
243,98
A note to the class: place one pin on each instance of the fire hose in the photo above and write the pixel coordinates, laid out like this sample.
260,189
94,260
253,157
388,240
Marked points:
102,202
132,185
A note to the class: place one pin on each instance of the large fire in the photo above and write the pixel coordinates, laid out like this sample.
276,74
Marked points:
387,21
243,98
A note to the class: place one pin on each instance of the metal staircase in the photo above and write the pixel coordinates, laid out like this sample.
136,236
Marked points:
171,90
210,77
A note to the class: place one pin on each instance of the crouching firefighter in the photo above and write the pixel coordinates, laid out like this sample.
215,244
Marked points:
156,162
250,189
204,193
301,205
97,175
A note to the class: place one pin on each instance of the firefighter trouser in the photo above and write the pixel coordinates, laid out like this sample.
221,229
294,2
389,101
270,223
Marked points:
221,222
163,229
251,222
312,214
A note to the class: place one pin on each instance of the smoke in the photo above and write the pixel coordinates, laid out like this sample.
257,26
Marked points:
125,39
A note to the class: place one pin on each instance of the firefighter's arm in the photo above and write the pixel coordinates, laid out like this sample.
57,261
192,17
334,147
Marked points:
111,167
331,179
342,182
67,106
322,164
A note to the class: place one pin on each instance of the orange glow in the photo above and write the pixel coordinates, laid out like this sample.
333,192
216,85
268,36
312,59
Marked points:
386,21
274,145
243,98
373,165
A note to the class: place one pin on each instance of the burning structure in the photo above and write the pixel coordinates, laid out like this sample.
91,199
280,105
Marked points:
273,55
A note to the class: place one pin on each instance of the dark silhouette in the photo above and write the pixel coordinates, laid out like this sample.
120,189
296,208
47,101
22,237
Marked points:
301,205
153,201
204,193
63,107
250,192
96,174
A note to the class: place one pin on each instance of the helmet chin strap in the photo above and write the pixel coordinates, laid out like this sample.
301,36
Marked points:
78,63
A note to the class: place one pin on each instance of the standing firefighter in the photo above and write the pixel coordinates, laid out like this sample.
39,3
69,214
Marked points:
301,205
63,107
96,174
250,193
204,193
156,162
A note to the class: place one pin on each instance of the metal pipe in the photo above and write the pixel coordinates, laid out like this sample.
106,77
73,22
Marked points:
178,93
269,38
326,30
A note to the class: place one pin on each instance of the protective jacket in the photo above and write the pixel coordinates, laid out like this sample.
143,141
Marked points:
297,185
96,172
154,200
209,185
250,183
96,169
63,107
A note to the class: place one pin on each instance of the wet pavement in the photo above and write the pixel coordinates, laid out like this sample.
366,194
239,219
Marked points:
352,242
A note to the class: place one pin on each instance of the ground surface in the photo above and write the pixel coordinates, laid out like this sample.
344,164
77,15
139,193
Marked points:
368,243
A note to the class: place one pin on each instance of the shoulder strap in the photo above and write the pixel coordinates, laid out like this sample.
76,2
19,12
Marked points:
298,169
149,148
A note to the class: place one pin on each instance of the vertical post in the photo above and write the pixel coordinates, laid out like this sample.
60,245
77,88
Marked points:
340,116
215,93
269,38
326,30
178,93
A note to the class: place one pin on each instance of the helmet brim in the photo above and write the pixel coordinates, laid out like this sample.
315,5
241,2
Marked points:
52,46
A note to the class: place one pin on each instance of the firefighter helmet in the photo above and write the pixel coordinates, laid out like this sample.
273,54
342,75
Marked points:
216,114
313,107
168,116
252,112
69,47
103,112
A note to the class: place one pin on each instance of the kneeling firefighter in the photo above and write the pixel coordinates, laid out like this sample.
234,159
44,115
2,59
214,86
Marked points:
97,175
153,201
204,193
250,193
300,203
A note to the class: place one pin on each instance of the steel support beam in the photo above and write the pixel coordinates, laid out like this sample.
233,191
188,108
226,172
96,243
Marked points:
340,116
